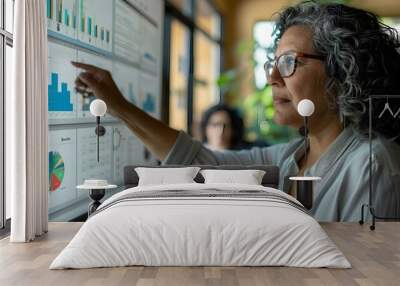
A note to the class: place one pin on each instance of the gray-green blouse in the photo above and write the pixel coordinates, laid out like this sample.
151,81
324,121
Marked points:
344,169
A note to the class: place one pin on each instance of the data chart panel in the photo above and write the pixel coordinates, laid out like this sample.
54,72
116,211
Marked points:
61,92
62,17
62,168
96,23
125,38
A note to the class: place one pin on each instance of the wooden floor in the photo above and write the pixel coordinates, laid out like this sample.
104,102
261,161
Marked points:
375,256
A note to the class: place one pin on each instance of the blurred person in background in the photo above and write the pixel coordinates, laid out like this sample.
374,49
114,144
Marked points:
222,128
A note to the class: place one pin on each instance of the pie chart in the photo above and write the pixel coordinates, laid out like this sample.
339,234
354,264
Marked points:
56,170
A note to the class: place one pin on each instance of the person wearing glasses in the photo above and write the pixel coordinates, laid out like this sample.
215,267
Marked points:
222,128
334,55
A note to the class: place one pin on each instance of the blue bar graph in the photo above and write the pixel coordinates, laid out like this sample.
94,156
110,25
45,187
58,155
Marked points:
50,9
66,18
59,11
149,103
131,94
89,26
59,100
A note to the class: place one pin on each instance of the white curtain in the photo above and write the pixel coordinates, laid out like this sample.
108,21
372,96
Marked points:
26,124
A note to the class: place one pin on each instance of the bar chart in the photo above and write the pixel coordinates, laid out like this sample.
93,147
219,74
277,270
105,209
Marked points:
62,17
95,23
61,93
82,21
59,100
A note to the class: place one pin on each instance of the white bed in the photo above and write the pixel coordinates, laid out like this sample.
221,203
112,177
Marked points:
243,227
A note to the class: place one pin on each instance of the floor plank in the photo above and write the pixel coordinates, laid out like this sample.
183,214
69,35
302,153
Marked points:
375,257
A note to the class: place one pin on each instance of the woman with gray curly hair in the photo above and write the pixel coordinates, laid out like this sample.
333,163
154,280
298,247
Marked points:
335,56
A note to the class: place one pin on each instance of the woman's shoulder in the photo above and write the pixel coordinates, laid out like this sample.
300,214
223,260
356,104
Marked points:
287,147
384,152
387,152
277,153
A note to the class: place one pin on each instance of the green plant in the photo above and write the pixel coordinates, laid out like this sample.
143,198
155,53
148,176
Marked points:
260,109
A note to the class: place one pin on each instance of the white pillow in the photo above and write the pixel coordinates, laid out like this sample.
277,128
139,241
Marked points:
162,176
248,177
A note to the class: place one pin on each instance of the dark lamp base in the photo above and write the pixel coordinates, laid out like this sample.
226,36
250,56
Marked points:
96,195
305,193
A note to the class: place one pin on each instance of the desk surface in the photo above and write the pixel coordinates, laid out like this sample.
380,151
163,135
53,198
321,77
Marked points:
374,255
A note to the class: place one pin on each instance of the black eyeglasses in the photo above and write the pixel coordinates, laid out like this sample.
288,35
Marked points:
286,63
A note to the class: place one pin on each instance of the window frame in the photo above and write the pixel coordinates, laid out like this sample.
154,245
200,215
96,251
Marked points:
174,13
6,40
256,47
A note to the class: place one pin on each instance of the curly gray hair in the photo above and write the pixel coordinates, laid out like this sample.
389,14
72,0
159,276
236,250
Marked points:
361,57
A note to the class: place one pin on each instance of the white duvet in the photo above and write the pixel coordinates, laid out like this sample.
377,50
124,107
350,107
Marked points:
188,231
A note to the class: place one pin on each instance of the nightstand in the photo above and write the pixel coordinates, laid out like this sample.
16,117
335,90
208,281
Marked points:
97,190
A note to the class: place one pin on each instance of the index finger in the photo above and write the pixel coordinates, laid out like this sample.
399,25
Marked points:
86,67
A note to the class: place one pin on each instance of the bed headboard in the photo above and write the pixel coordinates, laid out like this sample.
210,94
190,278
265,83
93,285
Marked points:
270,179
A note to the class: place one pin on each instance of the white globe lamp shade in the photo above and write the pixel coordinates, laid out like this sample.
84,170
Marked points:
305,107
98,107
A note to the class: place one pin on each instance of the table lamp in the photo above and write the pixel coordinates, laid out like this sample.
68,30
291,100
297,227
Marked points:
98,108
305,184
97,187
305,108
